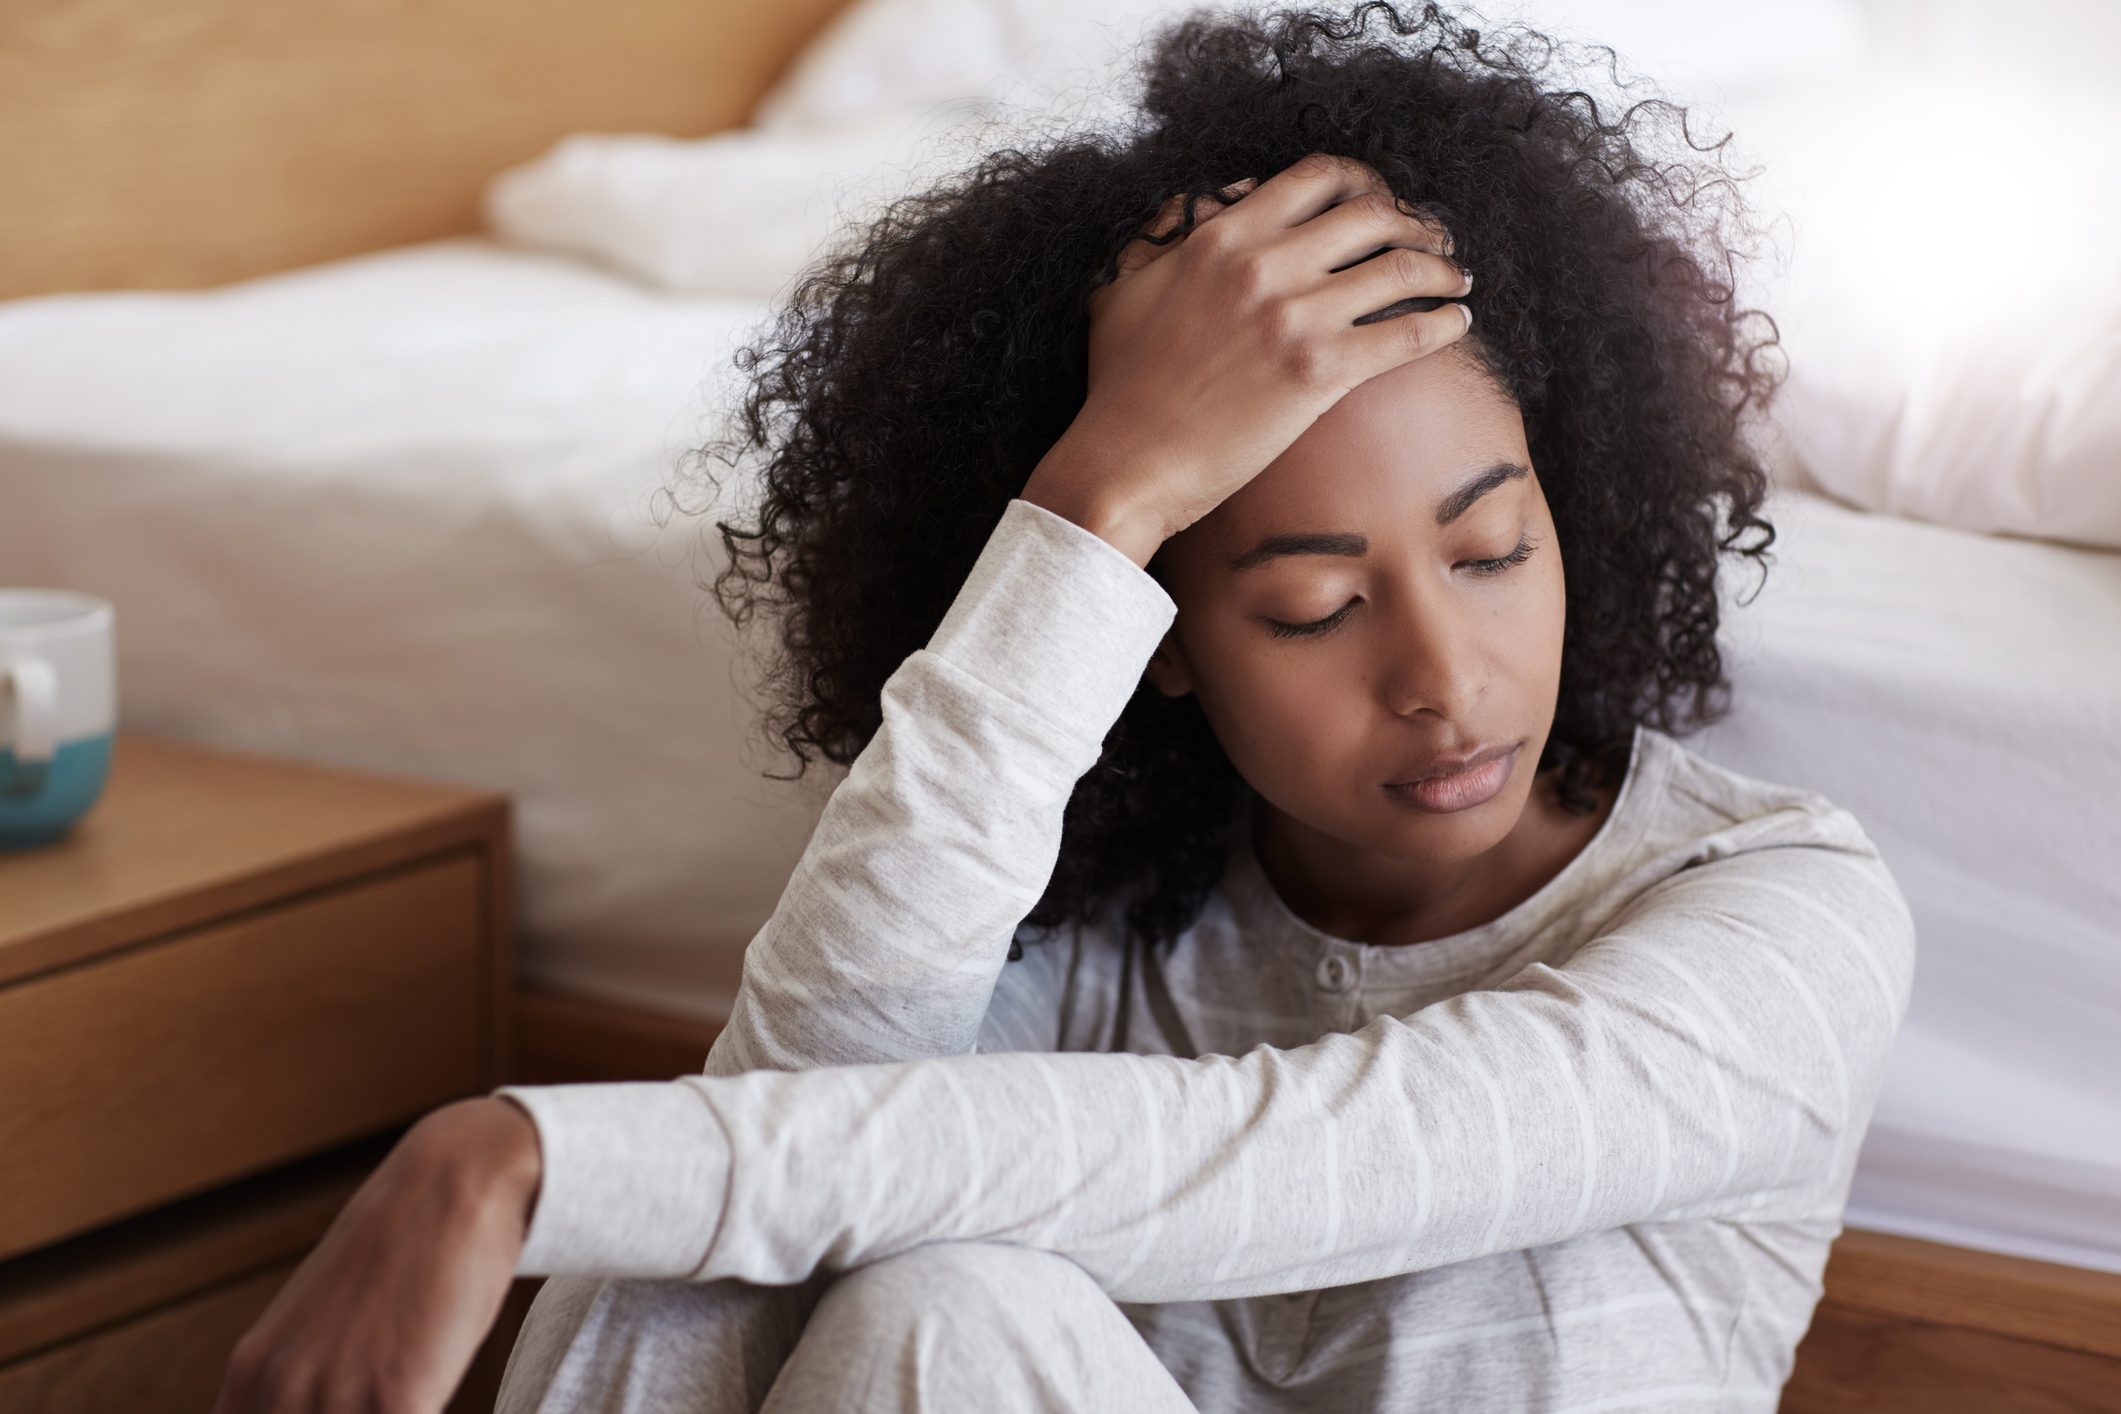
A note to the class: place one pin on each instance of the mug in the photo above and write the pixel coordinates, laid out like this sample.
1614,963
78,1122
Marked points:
58,697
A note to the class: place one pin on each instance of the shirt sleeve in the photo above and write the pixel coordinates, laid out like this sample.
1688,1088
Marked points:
1714,1054
887,941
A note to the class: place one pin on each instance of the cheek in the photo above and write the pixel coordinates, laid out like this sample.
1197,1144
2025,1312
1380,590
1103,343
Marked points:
1283,730
1553,602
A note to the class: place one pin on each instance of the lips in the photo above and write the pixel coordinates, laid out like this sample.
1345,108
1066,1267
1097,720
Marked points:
1452,765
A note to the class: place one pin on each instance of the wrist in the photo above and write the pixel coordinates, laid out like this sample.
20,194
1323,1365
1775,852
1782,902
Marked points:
1069,483
487,1150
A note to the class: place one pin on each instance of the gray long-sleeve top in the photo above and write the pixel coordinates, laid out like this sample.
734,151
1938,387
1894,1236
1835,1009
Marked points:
1590,1154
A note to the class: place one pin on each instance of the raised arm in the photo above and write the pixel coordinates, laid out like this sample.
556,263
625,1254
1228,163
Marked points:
887,942
1716,1053
947,829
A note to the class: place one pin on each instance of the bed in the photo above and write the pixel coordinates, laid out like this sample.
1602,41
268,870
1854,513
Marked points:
1961,693
404,512
403,508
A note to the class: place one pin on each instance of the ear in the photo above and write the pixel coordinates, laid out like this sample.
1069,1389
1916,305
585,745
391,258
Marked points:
1167,670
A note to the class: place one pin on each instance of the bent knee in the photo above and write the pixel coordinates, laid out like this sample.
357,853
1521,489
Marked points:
986,1276
972,1325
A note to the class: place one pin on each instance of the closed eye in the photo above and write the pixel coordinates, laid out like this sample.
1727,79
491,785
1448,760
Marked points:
1333,620
1517,556
1310,630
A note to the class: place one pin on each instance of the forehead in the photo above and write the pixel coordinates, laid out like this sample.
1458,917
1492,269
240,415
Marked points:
1405,439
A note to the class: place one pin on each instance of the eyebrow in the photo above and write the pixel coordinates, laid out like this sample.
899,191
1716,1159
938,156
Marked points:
1323,542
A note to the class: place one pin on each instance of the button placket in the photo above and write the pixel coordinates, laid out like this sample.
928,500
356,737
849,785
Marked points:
1335,973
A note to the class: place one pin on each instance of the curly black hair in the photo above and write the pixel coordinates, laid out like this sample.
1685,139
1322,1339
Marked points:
918,373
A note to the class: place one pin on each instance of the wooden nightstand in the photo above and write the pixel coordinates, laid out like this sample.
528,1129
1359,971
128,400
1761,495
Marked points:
221,998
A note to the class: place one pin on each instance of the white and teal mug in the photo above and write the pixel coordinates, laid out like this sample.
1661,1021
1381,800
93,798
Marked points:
58,706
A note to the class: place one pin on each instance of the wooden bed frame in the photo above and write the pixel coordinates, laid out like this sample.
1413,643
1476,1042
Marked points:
184,143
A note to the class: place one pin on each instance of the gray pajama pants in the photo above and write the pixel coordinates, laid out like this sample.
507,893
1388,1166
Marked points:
947,1326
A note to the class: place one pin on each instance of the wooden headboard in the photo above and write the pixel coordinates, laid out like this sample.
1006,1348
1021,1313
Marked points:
175,143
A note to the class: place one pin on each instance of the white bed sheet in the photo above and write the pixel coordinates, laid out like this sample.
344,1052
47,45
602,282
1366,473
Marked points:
396,513
1961,694
399,513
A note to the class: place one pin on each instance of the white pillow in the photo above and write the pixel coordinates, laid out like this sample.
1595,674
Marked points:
1944,366
896,92
739,213
1947,296
907,55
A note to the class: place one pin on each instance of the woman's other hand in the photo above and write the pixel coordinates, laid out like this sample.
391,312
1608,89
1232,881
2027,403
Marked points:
389,1309
1210,355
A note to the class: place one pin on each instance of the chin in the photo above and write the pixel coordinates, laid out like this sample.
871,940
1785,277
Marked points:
1391,834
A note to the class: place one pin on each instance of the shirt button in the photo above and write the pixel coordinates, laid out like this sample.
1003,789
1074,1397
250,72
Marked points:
1335,973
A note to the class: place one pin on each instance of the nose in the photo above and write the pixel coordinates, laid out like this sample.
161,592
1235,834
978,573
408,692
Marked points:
1435,655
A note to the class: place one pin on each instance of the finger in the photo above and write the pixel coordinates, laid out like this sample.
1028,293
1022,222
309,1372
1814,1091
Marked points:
1386,343
1361,228
1172,212
1320,181
1139,252
1392,277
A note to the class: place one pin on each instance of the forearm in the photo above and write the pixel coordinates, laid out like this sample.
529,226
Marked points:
897,920
1074,480
1686,1066
1362,1156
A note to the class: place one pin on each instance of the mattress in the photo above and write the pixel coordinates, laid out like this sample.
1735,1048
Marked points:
408,513
411,513
1961,694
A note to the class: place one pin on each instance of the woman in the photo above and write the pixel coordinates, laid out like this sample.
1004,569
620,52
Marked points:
1256,674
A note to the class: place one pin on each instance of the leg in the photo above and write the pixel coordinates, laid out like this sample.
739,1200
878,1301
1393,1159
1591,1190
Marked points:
596,1346
952,1326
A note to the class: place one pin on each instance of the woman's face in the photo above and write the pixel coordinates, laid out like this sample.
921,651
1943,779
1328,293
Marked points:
1421,653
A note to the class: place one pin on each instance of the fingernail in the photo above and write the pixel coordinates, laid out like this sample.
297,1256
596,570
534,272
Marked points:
1467,311
1469,281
